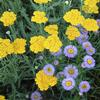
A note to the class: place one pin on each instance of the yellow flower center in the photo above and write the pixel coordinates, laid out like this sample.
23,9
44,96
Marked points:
71,51
68,83
89,61
84,86
71,71
49,70
35,97
86,45
91,50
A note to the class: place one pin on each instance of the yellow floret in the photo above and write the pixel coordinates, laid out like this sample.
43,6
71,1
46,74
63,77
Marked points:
53,43
74,17
39,17
72,32
19,46
8,18
45,81
51,29
42,1
37,44
2,97
90,25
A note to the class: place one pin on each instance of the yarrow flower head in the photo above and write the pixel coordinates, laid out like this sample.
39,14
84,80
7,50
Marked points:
37,44
42,1
53,43
89,61
71,71
74,17
72,32
52,29
84,86
36,96
68,84
2,97
19,46
90,25
8,18
86,45
70,51
45,81
39,17
49,69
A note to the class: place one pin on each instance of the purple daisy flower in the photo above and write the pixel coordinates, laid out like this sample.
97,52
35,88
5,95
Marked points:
83,65
84,86
90,51
86,45
36,96
68,84
82,38
57,53
83,31
70,51
71,71
56,62
60,74
98,22
49,69
89,61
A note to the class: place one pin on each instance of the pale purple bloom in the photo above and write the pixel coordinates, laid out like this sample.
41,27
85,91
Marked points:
84,86
90,51
70,51
36,96
57,53
68,84
56,62
82,38
60,74
89,61
86,45
83,31
83,65
71,71
98,22
49,69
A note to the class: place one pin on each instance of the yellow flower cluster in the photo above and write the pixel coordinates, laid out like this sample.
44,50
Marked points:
45,81
39,17
6,48
37,44
16,47
2,97
19,46
42,1
90,24
52,29
90,6
72,32
8,18
53,43
74,17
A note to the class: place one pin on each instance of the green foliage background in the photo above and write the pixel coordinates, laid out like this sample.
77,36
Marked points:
17,72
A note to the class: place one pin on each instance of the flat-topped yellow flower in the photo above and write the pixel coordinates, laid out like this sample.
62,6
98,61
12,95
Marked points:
2,97
8,18
37,44
6,47
51,29
19,46
72,32
74,17
45,81
39,17
90,24
42,1
53,43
